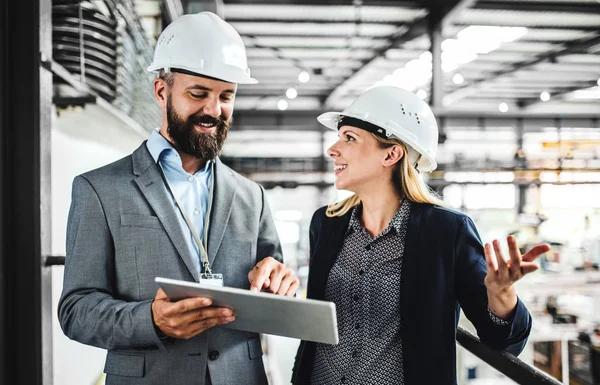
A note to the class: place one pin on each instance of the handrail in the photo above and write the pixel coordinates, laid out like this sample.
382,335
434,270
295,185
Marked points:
504,362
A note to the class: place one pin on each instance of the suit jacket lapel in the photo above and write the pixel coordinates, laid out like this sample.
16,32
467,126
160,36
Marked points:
152,186
327,249
225,192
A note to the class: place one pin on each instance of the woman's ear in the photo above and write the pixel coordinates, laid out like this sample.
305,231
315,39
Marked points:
393,155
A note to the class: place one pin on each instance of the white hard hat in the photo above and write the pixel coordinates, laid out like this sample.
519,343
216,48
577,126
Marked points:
396,113
203,44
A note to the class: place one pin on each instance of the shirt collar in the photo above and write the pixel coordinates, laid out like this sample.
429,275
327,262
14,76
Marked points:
157,144
161,149
397,222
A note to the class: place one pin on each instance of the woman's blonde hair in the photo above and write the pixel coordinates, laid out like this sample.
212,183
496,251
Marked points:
406,179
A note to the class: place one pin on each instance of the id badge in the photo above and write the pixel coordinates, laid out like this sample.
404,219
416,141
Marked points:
211,279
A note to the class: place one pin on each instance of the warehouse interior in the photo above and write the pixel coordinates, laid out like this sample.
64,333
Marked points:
514,85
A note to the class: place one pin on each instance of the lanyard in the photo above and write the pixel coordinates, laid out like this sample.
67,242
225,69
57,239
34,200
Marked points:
201,246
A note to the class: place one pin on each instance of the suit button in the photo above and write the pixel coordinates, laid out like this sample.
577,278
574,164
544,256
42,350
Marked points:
368,247
361,272
355,354
213,355
343,380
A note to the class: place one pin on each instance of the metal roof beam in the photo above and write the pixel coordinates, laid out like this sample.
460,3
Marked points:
545,6
406,32
305,120
543,27
564,91
214,6
383,3
569,48
171,10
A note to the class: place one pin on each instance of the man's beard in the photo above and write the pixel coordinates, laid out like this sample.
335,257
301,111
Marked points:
204,146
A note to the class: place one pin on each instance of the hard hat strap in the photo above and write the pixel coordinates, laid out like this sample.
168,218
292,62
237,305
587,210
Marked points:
372,128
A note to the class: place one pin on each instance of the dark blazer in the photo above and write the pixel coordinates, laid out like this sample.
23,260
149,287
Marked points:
443,269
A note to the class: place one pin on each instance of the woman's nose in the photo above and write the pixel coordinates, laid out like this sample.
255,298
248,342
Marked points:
333,151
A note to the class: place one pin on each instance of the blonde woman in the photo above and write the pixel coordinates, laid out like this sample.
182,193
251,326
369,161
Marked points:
397,264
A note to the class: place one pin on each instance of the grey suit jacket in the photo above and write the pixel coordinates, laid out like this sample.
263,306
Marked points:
122,233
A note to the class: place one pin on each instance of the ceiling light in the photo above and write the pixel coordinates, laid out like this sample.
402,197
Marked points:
303,77
291,93
545,96
458,79
422,94
282,104
598,82
503,107
427,56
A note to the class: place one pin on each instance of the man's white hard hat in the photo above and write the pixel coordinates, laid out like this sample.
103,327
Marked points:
203,44
400,114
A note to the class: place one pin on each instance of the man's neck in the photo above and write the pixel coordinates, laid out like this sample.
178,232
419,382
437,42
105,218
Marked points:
190,163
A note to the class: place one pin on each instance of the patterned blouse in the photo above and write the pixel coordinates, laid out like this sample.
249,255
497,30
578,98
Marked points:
364,283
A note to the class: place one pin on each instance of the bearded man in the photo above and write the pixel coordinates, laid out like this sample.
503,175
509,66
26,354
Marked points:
172,209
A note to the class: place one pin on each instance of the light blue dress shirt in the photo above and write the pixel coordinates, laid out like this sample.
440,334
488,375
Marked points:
191,190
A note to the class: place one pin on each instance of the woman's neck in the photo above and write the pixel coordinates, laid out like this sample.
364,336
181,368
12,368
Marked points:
378,208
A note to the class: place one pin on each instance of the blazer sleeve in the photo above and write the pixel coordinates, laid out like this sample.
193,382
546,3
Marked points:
471,270
268,244
87,311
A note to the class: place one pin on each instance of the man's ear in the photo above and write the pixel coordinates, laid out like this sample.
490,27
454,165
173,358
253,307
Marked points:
393,155
160,92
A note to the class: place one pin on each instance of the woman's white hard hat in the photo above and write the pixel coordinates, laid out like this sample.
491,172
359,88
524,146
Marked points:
402,115
203,44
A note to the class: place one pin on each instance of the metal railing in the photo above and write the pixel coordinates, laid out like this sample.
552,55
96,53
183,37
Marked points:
504,362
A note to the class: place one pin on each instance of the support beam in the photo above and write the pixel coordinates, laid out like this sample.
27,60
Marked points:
407,32
564,49
269,120
283,169
527,103
375,3
25,324
453,13
437,76
214,6
404,34
540,6
171,10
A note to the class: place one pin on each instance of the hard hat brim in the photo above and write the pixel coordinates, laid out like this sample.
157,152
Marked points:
330,119
236,80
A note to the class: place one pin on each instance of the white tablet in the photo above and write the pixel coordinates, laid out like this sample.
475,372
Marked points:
259,312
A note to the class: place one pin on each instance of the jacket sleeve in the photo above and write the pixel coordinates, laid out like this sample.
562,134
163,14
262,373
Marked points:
471,270
88,312
268,244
